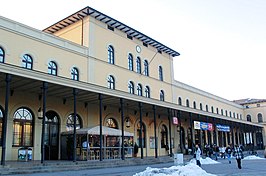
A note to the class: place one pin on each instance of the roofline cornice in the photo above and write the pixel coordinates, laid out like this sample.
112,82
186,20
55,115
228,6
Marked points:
88,11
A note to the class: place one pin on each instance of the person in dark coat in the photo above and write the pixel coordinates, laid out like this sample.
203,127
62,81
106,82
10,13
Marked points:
238,153
136,149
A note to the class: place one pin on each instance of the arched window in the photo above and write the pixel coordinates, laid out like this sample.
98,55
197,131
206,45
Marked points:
194,105
27,61
130,62
1,122
248,118
222,111
23,128
212,109
2,55
164,136
70,122
187,103
230,114
200,106
217,110
234,114
147,92
146,68
111,123
139,90
75,74
160,73
260,118
142,134
52,68
138,65
207,108
180,101
111,55
162,95
111,82
226,114
131,87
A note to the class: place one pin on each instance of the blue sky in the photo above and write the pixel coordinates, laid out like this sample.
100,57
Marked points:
222,43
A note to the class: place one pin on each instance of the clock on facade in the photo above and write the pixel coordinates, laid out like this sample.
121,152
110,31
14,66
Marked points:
138,48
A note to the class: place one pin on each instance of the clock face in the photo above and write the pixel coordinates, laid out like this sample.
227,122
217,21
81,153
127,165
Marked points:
138,49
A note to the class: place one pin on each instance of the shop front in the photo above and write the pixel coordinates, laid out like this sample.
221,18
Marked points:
88,144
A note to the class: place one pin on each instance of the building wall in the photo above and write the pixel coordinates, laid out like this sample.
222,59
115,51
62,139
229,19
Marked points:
16,45
253,110
72,33
94,68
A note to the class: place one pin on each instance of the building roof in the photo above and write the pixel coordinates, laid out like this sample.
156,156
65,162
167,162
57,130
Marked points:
88,11
249,101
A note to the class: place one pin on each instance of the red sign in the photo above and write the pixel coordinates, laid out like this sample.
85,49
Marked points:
175,120
210,127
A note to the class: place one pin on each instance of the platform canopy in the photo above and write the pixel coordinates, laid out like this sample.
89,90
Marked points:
96,131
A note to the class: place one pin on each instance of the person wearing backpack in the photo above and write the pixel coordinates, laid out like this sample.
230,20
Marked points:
228,152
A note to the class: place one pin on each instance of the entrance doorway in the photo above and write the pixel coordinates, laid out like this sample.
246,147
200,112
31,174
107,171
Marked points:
51,139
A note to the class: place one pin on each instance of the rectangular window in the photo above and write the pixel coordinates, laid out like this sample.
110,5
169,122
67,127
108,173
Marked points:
17,133
129,37
110,28
22,134
145,44
27,138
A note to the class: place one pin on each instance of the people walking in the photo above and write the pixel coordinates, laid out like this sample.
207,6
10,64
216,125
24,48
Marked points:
198,153
228,152
223,152
215,151
238,153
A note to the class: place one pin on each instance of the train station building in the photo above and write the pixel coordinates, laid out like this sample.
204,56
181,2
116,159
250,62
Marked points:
89,87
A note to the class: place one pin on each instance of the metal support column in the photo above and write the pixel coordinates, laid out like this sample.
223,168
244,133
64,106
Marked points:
191,132
141,128
155,134
44,94
5,117
170,132
180,132
101,125
122,122
75,125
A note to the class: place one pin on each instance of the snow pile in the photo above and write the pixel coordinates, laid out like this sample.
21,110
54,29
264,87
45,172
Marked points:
187,170
252,157
207,160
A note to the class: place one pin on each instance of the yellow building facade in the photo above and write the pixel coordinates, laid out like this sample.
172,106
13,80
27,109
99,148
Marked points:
91,70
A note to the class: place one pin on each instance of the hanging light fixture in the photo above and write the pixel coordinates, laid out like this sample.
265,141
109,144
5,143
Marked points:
40,113
127,122
127,119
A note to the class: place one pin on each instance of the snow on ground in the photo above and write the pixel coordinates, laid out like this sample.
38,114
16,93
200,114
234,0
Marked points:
187,170
252,157
207,160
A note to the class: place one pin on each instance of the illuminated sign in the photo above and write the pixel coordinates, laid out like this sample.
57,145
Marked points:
175,120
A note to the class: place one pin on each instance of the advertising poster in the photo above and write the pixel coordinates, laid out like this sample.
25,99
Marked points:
152,142
196,125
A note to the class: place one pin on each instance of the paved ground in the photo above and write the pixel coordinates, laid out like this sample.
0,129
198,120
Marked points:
250,168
